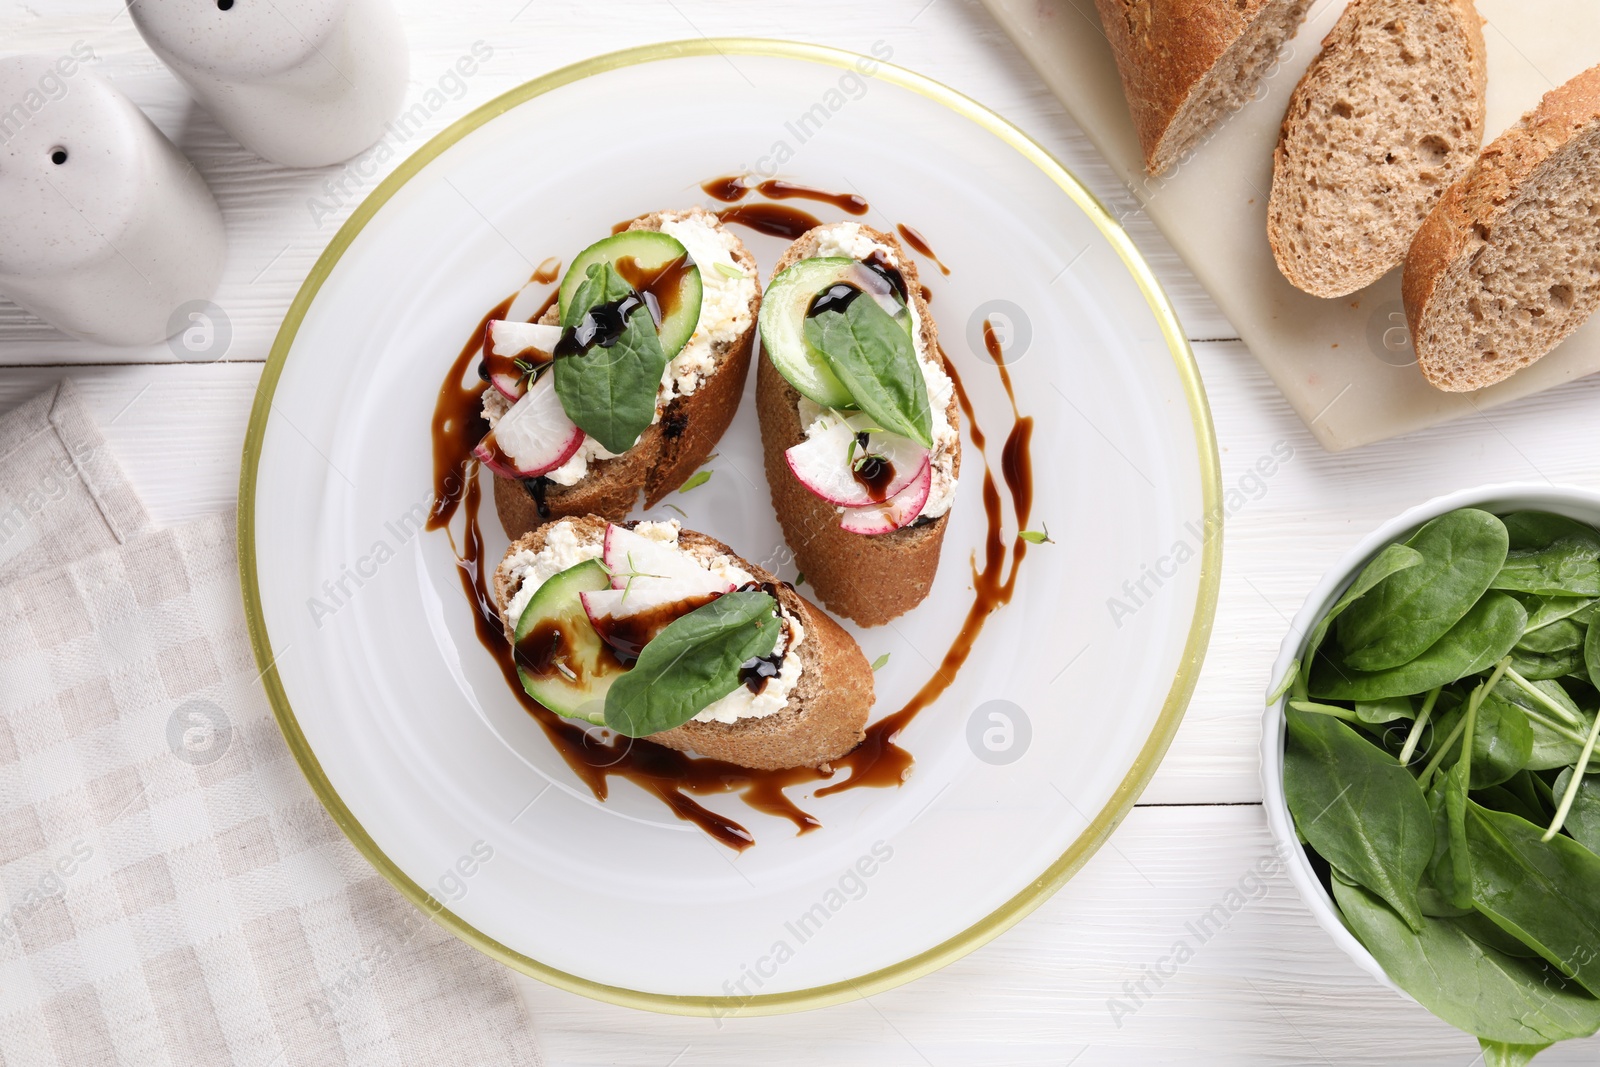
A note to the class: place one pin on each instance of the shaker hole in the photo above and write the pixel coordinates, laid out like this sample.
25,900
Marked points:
224,5
58,155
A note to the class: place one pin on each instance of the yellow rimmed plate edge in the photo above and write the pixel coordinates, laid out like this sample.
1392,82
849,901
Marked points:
1099,828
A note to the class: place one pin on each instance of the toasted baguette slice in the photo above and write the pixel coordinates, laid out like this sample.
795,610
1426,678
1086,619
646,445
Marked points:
826,715
1388,116
868,578
1508,264
1187,63
668,452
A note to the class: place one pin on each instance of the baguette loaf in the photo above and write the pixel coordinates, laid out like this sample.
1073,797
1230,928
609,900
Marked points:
668,452
868,578
1187,63
1387,117
826,714
1508,264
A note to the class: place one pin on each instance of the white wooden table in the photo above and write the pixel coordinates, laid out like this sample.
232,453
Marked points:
1270,989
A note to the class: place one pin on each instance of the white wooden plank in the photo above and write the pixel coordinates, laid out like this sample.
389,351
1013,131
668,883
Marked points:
1266,987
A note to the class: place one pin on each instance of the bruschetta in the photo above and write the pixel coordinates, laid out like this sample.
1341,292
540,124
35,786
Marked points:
658,632
860,426
627,382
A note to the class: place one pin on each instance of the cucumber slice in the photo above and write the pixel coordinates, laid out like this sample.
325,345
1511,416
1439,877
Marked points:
783,322
562,662
660,268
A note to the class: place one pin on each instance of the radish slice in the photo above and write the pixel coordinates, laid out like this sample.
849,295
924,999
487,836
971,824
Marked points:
655,565
506,342
893,514
826,464
533,438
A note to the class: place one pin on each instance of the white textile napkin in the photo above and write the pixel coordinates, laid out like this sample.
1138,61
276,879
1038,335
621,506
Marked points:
173,893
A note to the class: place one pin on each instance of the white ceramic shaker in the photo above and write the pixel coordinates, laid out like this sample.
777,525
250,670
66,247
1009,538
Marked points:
106,230
304,83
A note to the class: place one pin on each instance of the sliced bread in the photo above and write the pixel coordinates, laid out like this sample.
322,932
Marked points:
673,447
1388,116
1187,63
1508,264
826,714
868,578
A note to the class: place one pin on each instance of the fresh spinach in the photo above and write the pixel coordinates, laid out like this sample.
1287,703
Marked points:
1358,808
1583,820
1531,530
1502,744
1499,998
1466,664
692,663
1407,612
1391,560
1541,667
1558,725
871,355
1382,711
609,389
1568,567
1545,894
1499,1054
1479,639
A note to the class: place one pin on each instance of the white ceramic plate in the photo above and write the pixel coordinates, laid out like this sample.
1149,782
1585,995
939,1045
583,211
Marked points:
402,721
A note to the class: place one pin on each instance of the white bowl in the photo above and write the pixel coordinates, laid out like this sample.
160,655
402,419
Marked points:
1582,504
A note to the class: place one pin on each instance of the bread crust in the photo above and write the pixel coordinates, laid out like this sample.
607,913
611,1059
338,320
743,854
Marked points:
826,715
1362,257
870,579
1472,211
1172,55
668,452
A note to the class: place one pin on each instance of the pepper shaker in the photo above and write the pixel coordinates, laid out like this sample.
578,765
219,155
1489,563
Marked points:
305,83
106,230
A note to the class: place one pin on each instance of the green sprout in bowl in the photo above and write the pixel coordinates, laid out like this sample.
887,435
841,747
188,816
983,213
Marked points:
1441,729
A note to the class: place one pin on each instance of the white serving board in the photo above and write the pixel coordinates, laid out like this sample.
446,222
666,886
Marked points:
1345,365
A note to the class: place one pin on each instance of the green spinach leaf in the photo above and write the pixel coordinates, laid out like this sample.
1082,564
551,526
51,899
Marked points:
1533,792
1358,808
1541,667
873,358
609,391
1441,871
1544,610
1499,1054
1502,744
1561,636
1583,820
1392,559
1531,530
1479,639
1570,566
692,663
1411,610
1546,894
1556,741
1500,998
1378,712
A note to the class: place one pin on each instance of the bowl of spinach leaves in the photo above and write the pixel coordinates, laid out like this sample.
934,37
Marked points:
1430,766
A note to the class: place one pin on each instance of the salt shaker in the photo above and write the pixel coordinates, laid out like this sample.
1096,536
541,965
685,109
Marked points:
106,230
304,83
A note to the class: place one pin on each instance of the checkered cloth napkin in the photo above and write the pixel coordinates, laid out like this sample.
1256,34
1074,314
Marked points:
173,893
